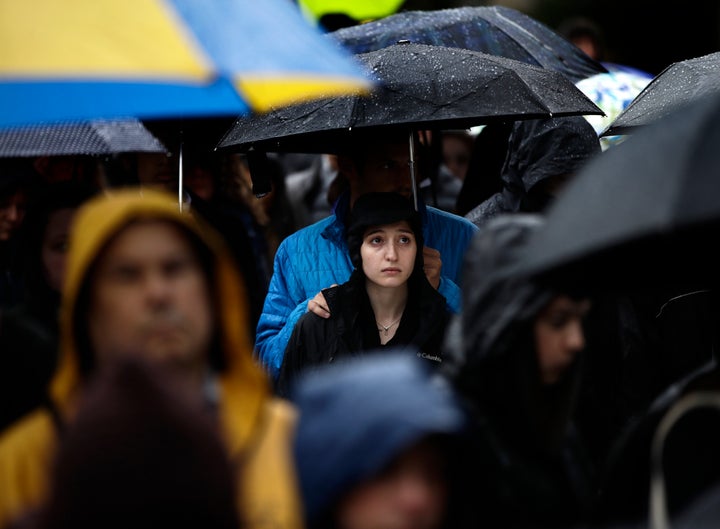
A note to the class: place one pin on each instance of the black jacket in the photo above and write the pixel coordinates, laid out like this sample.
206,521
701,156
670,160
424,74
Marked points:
532,466
351,329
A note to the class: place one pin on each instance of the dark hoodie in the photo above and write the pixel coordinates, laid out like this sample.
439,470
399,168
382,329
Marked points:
528,452
539,150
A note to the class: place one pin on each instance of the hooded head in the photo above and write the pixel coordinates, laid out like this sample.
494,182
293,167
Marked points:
496,300
491,347
358,415
106,220
543,154
380,209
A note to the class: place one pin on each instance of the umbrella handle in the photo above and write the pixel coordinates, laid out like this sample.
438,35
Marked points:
659,517
258,166
180,176
413,178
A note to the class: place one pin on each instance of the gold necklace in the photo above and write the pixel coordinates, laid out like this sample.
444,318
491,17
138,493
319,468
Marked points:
384,328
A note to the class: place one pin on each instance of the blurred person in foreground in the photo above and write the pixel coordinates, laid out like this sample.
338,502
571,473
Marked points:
317,257
140,453
146,280
514,354
391,462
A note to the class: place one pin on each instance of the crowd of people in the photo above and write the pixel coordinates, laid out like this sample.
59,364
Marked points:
316,343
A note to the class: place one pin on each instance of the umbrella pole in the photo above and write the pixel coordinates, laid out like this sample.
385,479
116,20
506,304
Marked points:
180,177
412,170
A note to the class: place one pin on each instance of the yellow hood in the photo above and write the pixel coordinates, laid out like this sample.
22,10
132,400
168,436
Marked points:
243,384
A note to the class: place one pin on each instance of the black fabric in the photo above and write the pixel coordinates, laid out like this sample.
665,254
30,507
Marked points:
529,452
28,355
483,175
352,330
539,151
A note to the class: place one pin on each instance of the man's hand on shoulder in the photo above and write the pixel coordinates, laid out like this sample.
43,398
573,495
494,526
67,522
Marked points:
318,305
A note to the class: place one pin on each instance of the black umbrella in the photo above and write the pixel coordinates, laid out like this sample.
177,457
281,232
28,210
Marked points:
422,87
645,211
677,85
78,138
495,30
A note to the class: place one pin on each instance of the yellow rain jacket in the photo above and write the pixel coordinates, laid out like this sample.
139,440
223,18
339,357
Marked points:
257,427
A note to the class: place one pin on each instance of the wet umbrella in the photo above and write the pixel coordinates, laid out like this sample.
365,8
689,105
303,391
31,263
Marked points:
78,138
422,86
496,30
677,85
644,212
90,59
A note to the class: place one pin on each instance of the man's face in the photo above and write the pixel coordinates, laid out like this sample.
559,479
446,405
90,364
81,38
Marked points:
158,170
150,297
386,168
12,213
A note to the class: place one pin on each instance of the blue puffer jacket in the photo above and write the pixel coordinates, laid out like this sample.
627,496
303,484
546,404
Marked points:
316,257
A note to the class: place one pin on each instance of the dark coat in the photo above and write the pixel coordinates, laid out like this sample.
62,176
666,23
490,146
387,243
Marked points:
530,460
351,329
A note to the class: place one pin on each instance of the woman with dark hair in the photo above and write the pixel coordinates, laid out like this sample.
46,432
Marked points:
29,331
514,354
387,301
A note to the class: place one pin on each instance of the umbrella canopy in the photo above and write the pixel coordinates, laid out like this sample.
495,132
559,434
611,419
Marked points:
495,30
422,86
78,138
645,211
677,85
90,59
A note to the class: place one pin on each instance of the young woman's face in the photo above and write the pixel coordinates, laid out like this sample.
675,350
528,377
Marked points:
559,336
388,254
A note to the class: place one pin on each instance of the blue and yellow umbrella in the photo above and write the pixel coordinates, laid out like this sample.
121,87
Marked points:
88,59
